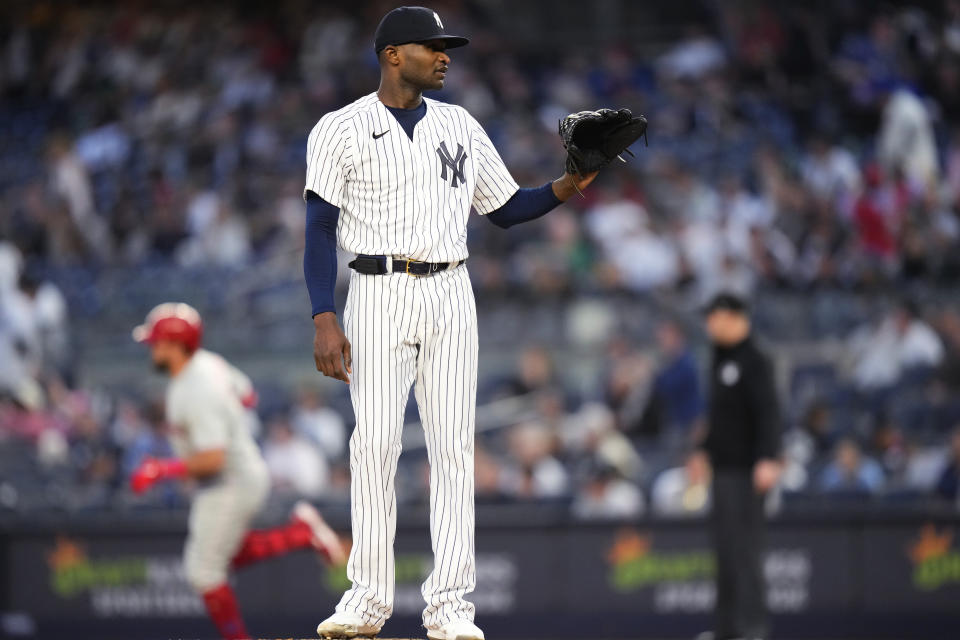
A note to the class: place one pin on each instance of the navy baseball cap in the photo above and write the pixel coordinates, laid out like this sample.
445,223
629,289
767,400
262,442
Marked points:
727,302
412,24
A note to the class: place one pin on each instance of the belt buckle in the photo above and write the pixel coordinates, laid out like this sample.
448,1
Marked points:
410,273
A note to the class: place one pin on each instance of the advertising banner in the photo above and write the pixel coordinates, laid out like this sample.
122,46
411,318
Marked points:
912,567
670,570
111,576
525,577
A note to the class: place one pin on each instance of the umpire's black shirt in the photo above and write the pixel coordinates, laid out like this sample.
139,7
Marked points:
744,420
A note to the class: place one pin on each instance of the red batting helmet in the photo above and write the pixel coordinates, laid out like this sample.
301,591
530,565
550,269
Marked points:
174,321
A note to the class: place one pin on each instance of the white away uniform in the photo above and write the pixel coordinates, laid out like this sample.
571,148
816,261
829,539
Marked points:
205,411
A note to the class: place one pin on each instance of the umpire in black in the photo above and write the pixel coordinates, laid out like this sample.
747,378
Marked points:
741,451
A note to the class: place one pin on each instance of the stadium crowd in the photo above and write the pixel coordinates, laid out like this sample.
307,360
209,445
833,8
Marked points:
791,149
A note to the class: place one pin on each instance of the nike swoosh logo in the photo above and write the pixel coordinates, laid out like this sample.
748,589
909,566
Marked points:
380,135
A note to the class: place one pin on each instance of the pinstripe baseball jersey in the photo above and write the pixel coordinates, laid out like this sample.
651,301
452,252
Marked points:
205,411
400,196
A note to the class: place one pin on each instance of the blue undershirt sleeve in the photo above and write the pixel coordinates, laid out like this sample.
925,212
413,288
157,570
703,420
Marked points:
525,205
320,252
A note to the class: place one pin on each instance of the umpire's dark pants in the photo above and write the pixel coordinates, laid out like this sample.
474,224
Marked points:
738,529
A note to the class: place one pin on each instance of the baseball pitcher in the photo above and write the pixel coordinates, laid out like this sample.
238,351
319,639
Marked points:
392,178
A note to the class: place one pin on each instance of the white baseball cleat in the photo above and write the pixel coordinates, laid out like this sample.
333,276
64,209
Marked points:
324,539
344,626
456,630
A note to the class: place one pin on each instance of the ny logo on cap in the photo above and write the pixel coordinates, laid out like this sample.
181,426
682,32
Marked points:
454,163
437,18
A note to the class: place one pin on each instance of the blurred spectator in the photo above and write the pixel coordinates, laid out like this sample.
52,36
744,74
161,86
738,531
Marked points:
696,55
831,173
952,178
319,423
682,491
53,453
607,494
294,463
822,253
105,147
40,310
851,471
561,259
942,394
805,444
16,374
24,411
642,258
948,373
900,342
741,210
814,436
550,408
148,435
94,460
535,372
889,446
590,323
20,331
923,466
879,214
223,241
11,262
948,484
676,402
489,478
71,183
128,422
33,336
536,473
591,435
627,391
906,142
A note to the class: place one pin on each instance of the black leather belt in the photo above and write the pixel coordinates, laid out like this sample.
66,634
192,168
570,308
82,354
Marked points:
378,266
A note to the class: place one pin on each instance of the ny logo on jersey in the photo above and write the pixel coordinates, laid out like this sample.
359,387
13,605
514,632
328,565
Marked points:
455,164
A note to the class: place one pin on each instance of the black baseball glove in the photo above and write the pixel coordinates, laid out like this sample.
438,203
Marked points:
594,138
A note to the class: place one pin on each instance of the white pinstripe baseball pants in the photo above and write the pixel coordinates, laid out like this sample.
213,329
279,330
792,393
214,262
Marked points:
406,330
